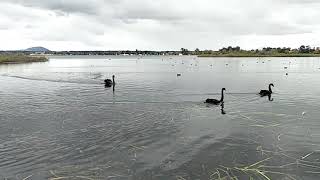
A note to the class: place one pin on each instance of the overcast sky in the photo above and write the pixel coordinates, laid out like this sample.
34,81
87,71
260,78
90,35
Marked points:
158,24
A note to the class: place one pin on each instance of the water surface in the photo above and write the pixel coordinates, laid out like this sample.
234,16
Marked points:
59,121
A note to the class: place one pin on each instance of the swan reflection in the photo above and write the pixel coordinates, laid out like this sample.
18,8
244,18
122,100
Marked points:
222,109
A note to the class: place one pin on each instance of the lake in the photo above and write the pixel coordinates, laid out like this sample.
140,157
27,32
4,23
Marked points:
58,121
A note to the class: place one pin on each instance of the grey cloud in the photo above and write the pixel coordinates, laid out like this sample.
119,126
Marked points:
154,23
301,1
29,26
69,6
3,27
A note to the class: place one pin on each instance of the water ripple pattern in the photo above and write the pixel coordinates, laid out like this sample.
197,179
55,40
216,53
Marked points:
58,121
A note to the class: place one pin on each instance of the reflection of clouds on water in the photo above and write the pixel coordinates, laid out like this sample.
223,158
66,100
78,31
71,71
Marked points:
260,149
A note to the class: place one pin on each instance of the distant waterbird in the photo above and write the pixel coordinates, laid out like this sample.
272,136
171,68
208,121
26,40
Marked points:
266,92
215,101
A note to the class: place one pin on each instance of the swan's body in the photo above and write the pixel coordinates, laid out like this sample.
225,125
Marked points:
215,101
109,82
266,92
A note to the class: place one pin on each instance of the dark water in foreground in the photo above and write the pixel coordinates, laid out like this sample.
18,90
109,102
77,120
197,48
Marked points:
59,122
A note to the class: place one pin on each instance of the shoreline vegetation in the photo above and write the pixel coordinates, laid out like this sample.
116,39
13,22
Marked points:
302,51
21,58
257,55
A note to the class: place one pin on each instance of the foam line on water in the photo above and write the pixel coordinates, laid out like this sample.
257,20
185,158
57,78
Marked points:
48,80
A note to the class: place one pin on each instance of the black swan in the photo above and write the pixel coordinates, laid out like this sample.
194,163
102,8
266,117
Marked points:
266,92
215,101
109,82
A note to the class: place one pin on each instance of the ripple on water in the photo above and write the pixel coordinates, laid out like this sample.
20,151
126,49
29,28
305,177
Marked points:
59,120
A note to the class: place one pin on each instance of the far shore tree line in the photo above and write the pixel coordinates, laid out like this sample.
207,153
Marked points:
264,51
225,51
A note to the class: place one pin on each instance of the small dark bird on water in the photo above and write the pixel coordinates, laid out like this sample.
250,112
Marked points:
266,92
178,75
215,101
109,82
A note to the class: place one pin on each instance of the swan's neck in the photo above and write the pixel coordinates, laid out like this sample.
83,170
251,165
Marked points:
270,88
113,80
222,96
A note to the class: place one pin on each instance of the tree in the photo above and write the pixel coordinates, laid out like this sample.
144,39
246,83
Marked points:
302,49
197,51
184,51
237,48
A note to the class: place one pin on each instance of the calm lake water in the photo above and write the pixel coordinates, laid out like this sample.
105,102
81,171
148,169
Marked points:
58,121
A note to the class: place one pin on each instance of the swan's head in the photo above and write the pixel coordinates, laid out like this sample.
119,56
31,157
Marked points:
223,89
271,85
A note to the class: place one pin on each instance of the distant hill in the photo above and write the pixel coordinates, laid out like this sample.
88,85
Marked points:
37,49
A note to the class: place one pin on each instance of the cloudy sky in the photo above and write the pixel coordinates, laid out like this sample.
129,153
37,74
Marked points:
158,24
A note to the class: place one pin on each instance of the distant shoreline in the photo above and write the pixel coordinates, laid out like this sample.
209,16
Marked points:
19,59
258,55
29,58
